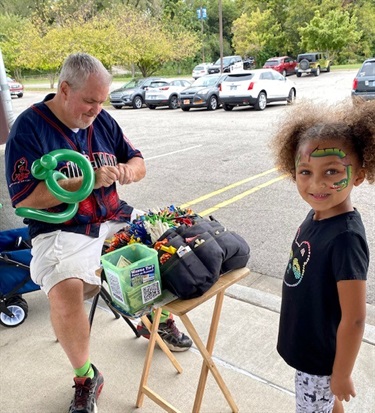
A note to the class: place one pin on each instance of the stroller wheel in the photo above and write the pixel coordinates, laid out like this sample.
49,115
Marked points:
19,309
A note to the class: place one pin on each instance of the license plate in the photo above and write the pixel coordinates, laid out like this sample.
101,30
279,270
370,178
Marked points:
152,97
186,102
233,87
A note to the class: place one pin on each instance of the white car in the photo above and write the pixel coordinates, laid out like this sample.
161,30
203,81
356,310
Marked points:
255,88
200,70
166,94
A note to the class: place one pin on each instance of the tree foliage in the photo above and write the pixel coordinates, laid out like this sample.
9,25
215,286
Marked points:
330,33
149,34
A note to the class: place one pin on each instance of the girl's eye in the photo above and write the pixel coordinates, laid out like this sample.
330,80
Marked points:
304,172
331,172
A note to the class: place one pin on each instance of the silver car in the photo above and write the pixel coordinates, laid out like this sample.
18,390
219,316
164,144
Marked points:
364,82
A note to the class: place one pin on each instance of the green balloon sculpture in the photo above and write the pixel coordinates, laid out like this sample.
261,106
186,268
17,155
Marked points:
44,169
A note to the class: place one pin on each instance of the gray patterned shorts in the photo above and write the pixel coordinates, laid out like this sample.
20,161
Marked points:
313,393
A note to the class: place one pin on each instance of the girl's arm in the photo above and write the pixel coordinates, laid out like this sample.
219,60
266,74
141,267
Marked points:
352,296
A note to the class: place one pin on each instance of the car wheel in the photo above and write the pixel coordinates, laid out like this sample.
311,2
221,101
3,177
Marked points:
291,97
212,103
20,95
328,68
137,102
284,73
227,107
261,102
299,74
117,106
185,109
317,72
151,106
173,102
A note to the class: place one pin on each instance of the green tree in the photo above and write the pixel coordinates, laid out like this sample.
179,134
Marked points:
330,33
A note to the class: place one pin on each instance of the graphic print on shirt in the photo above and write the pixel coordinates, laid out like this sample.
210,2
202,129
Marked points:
299,257
20,170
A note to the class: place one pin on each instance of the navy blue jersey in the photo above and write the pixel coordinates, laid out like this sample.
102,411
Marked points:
36,132
323,253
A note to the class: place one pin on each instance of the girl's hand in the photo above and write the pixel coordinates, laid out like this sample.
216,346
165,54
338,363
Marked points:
342,387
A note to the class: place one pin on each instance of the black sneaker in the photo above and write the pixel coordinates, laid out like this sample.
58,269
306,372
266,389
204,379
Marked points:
86,393
170,334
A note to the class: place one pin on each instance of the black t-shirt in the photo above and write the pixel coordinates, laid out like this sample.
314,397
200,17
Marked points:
323,253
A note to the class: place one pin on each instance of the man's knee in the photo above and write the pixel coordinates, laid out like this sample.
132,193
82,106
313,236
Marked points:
66,297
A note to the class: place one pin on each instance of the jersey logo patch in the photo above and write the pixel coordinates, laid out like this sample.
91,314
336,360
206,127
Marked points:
20,170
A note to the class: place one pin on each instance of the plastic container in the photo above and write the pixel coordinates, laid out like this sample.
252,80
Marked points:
137,285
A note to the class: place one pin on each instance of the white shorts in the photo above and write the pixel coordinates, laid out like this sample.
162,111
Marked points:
313,393
60,255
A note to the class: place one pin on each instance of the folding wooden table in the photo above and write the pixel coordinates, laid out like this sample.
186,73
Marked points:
181,309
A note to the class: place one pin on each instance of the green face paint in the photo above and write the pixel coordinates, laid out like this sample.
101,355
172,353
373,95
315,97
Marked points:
318,153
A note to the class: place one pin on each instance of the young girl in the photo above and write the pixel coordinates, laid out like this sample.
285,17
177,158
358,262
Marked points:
327,151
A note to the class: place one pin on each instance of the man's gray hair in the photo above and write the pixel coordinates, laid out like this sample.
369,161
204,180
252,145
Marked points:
78,67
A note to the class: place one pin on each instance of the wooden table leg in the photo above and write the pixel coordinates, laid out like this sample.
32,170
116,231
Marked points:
162,345
208,363
154,337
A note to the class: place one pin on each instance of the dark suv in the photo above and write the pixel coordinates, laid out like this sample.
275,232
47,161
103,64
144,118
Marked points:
364,82
228,62
133,92
314,63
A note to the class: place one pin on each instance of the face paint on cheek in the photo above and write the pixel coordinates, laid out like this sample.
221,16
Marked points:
339,186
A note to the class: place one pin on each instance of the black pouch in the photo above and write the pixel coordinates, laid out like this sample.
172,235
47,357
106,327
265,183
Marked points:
186,276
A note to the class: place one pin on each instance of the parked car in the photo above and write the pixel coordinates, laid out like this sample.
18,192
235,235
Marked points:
166,94
204,92
228,62
200,70
285,65
133,92
249,63
364,81
314,63
256,88
15,88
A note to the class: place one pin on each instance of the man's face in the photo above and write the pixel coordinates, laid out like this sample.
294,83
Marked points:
81,106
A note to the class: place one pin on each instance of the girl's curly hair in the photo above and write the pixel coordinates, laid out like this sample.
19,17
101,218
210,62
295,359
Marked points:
353,123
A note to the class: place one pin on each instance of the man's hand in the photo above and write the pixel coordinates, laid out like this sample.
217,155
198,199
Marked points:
106,176
127,174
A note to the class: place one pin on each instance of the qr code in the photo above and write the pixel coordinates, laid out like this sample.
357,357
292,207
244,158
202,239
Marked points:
150,292
115,286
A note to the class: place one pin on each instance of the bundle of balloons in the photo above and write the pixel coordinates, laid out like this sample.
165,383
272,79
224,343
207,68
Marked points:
45,169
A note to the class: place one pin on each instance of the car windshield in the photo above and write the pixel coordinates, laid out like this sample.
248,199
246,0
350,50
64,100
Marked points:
309,57
199,68
272,62
226,61
368,69
133,84
206,81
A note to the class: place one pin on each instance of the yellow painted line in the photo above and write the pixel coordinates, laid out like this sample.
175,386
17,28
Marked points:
226,188
240,196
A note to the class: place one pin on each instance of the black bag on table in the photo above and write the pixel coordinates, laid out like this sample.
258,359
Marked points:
204,251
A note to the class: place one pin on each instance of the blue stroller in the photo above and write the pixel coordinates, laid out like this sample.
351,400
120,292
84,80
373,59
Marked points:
15,257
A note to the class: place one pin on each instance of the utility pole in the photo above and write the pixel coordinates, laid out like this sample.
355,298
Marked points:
221,34
6,108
